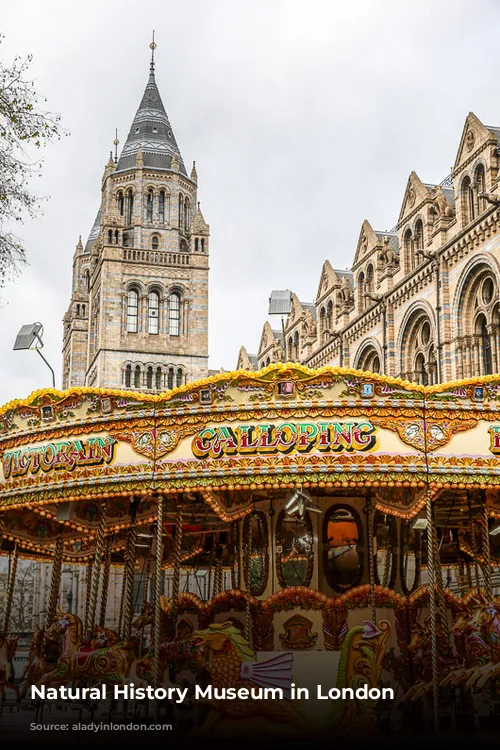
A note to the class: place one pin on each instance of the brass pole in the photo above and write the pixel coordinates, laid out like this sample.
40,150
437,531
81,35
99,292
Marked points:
55,582
130,560
177,567
96,572
10,591
432,607
248,577
87,597
473,542
371,560
487,555
156,600
105,583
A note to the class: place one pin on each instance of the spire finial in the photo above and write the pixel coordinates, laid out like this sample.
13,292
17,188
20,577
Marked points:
153,46
116,142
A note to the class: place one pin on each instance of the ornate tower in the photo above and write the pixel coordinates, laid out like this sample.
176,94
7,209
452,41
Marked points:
138,316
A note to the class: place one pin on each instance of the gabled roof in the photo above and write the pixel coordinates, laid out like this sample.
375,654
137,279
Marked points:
151,131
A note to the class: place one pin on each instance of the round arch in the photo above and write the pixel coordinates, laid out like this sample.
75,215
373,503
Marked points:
367,356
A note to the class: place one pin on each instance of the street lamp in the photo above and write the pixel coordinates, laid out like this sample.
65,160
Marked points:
280,303
30,337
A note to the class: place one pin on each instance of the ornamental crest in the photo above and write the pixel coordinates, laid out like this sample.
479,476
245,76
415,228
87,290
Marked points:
153,443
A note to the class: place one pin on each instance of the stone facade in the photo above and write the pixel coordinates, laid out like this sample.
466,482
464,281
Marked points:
421,301
138,316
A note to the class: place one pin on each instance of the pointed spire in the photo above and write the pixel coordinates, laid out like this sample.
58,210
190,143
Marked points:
199,225
79,246
194,174
151,130
111,162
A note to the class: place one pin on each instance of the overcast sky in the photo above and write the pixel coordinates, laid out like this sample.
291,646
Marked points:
304,118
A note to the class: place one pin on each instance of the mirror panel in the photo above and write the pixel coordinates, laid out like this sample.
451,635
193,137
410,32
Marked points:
294,550
343,547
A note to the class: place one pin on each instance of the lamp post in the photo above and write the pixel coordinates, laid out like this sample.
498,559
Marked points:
280,303
30,337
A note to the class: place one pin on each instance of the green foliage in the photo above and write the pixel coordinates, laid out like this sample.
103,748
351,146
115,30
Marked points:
24,127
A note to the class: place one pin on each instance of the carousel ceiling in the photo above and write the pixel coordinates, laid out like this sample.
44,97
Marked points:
221,444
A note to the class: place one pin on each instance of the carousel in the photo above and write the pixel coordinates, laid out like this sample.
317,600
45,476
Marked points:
347,525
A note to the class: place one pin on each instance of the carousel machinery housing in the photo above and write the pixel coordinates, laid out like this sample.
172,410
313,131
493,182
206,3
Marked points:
333,511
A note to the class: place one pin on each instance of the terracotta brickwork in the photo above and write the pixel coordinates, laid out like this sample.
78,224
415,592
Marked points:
420,301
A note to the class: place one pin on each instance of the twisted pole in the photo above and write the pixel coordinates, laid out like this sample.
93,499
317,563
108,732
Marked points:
438,579
248,577
431,548
485,543
128,576
371,560
177,566
105,583
96,572
10,591
473,541
156,600
88,593
55,581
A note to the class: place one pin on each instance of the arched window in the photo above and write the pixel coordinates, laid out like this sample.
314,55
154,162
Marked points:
196,244
408,249
290,349
158,378
137,377
202,244
154,242
183,246
78,311
161,207
149,378
186,215
121,203
153,312
296,346
421,370
83,311
116,236
86,276
174,314
110,237
181,210
361,291
467,194
369,282
149,206
419,241
178,380
485,343
480,187
170,378
329,316
132,310
130,206
128,376
268,361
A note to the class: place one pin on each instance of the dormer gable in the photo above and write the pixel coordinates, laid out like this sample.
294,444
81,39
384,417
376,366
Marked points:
328,281
366,243
474,137
416,193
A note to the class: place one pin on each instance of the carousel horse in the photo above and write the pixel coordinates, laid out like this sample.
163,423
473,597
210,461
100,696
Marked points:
47,647
476,650
487,620
102,637
7,652
232,664
420,647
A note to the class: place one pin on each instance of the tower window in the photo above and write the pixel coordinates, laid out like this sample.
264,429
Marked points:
128,376
130,206
137,377
186,215
161,207
116,236
196,244
149,206
110,237
202,245
153,312
170,378
178,380
154,242
149,378
174,314
181,210
132,310
121,203
86,276
158,378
